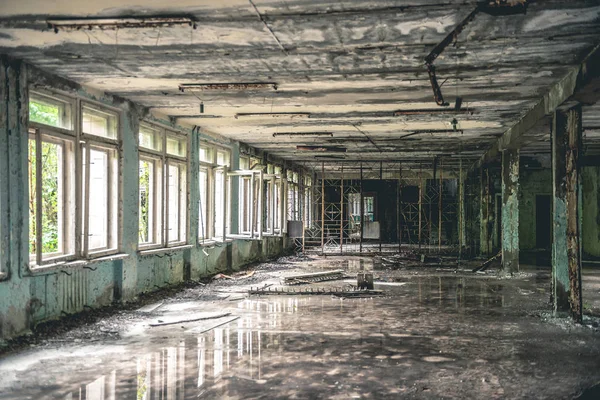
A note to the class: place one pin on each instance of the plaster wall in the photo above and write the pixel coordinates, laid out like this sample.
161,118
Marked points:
590,177
533,183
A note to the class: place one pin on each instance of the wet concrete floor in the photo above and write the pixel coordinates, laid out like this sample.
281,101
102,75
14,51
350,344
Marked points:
437,333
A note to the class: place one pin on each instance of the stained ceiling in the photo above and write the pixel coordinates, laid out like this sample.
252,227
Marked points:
345,76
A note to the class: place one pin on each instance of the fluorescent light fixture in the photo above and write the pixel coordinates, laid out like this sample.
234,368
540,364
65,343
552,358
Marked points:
325,149
331,157
302,134
273,115
430,131
228,86
435,111
114,23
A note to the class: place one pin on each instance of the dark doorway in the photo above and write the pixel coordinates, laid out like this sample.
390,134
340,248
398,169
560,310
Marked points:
543,221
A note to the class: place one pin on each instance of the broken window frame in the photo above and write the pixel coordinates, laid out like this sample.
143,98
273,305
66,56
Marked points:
39,134
164,159
211,166
273,203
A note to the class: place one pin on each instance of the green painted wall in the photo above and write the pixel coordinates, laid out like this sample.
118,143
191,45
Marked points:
26,297
590,177
533,183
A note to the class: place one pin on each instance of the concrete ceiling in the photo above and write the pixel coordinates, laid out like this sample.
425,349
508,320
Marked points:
348,64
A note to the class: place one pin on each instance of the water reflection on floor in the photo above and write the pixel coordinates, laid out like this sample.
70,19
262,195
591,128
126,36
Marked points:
436,336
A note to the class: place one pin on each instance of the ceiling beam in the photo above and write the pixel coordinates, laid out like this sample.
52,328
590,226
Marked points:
575,80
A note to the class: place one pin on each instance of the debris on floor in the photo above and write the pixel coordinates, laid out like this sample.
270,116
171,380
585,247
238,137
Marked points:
342,291
313,277
488,263
177,319
150,307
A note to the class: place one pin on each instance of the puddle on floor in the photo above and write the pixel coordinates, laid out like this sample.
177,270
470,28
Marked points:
435,336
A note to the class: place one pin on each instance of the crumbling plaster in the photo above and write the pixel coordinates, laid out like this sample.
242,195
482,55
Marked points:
28,297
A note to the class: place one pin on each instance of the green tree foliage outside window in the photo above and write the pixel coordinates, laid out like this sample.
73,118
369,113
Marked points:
50,115
144,229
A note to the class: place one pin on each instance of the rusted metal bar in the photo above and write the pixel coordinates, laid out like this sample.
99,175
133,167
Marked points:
399,209
487,206
437,50
420,202
461,210
452,36
440,190
430,221
322,207
342,210
437,91
362,211
379,214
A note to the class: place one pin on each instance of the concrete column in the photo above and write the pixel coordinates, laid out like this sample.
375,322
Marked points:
566,251
510,211
462,238
14,190
486,211
126,272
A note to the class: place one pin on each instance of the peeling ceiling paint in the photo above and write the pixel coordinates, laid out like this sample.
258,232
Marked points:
348,63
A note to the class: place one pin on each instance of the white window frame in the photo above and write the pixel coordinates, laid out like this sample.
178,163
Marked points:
212,167
76,213
274,209
160,188
87,143
45,134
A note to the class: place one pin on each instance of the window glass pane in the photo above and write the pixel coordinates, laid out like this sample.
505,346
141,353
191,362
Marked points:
98,199
32,198
99,123
206,154
52,198
222,158
245,205
49,111
146,212
277,201
176,207
244,163
176,146
150,138
219,202
56,195
277,170
203,218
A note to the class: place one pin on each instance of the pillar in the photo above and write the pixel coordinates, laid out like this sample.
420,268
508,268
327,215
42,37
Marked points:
510,211
566,254
462,238
14,211
486,210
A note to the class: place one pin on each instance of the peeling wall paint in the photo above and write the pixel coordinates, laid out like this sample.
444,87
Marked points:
510,211
26,297
590,234
533,183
